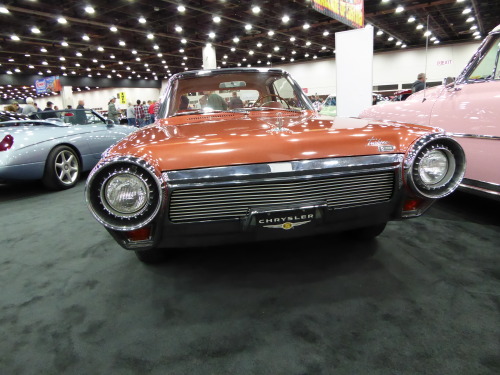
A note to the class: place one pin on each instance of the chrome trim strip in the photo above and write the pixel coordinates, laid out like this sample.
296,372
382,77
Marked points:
132,160
478,136
271,169
483,190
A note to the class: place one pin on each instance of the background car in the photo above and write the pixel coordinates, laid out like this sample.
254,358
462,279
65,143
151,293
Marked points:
401,95
54,146
276,170
468,109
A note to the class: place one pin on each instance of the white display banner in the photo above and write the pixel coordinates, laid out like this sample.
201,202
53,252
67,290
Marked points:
209,59
354,57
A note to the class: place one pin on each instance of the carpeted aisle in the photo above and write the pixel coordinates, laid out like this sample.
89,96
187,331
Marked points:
421,299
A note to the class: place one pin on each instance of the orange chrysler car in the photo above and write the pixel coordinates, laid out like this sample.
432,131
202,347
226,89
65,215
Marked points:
210,172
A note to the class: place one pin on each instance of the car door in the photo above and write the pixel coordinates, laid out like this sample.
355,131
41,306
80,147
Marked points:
471,111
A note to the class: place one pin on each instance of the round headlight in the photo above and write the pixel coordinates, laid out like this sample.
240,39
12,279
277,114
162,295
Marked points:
433,167
125,194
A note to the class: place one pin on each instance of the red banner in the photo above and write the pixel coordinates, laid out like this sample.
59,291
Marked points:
350,12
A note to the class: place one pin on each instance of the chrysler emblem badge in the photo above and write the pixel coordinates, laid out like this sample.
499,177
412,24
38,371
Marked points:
287,225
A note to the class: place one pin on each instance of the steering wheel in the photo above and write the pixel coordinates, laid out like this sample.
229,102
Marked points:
260,100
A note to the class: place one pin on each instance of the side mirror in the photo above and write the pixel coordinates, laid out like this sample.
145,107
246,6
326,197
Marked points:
448,80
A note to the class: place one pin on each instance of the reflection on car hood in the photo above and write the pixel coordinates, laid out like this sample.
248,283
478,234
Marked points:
244,140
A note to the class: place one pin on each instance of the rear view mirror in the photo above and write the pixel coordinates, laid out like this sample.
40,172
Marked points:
448,80
232,84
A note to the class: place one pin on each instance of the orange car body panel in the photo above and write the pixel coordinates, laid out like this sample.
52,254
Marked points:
221,139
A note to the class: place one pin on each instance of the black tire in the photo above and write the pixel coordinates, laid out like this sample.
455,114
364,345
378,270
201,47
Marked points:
367,233
153,256
62,168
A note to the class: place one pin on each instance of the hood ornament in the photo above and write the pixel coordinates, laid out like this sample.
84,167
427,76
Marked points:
277,127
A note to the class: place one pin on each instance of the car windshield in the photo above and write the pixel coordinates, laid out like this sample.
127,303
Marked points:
71,116
233,90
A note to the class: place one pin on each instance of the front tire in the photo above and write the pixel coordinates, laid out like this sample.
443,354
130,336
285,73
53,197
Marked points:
367,233
62,169
153,256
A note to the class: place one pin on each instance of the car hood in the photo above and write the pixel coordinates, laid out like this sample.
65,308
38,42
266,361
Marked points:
209,141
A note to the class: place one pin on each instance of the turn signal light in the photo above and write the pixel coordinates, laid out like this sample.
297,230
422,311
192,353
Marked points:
412,204
6,143
140,234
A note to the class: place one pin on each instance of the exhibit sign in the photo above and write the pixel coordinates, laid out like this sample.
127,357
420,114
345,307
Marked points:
123,97
48,85
350,12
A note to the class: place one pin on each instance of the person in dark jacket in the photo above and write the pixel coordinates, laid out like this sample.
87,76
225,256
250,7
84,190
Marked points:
48,108
419,84
235,101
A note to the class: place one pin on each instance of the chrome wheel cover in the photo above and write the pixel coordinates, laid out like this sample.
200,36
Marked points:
66,167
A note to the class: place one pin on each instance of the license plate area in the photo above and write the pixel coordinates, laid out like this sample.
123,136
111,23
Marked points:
284,218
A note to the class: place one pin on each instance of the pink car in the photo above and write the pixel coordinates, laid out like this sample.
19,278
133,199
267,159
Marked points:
467,109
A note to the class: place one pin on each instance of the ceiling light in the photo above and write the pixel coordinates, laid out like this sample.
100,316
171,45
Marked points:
159,54
216,19
85,37
94,61
43,49
244,59
259,44
14,37
466,11
270,33
248,27
45,63
62,58
427,33
276,48
134,52
77,64
62,67
89,9
79,54
181,8
380,32
473,27
285,19
315,57
233,49
150,36
35,30
390,39
477,37
250,52
306,55
113,29
121,43
306,26
4,10
294,52
183,41
137,59
399,9
292,39
102,66
283,58
211,35
476,33
100,49
142,20
403,46
236,39
256,10
398,43
308,43
112,56
178,29
411,19
325,33
436,42
420,26
470,19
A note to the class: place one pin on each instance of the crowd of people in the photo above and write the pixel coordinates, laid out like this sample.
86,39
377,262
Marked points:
142,113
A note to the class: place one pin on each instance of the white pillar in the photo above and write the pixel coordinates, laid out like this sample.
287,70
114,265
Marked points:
354,59
209,60
67,97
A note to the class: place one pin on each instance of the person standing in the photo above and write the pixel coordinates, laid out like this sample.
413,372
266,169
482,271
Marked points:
29,108
80,105
112,111
139,114
151,111
131,114
47,109
147,118
419,84
235,101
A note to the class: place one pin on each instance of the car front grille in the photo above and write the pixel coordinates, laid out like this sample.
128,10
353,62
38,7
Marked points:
231,201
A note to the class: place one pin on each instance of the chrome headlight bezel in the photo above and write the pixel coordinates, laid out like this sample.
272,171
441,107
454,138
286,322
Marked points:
456,164
103,211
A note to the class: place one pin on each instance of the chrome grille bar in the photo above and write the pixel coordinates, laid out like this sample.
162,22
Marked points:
232,201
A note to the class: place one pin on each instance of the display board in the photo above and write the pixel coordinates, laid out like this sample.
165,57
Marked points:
350,12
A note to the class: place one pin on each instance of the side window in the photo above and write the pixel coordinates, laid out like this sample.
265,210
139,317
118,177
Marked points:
284,89
91,118
488,68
